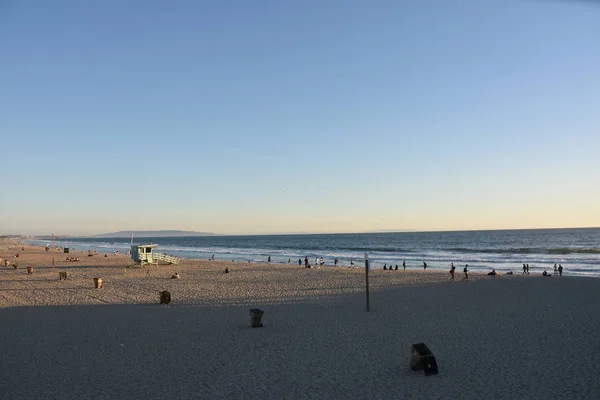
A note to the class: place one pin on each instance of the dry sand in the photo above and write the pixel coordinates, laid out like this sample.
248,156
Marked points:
508,337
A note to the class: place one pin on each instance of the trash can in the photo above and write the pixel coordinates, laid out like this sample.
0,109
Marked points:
98,283
29,270
66,250
256,317
165,297
62,276
423,358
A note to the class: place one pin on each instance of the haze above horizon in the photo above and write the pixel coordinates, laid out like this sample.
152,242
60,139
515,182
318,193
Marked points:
273,117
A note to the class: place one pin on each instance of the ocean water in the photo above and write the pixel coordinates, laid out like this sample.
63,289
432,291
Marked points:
578,250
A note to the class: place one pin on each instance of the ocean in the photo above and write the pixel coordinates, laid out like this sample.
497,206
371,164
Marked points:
577,250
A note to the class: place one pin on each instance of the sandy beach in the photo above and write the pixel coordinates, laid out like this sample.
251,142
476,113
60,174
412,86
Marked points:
493,337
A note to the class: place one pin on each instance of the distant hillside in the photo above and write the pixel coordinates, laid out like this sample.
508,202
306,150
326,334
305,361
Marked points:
139,234
394,231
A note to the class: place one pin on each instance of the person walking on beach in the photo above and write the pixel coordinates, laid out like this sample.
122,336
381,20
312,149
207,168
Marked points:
396,269
452,268
385,267
424,265
466,271
555,269
404,265
560,269
524,270
300,262
527,269
306,261
269,259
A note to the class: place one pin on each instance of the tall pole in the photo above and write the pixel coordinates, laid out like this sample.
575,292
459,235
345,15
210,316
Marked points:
367,279
52,250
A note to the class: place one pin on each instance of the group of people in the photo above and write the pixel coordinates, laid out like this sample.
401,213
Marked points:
319,261
453,270
72,259
558,269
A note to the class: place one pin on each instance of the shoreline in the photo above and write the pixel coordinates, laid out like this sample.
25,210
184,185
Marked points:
202,282
475,266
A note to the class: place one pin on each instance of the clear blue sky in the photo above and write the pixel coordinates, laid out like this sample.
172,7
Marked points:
314,116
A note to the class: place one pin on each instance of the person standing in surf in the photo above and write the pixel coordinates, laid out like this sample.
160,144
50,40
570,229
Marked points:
466,271
424,265
452,268
404,265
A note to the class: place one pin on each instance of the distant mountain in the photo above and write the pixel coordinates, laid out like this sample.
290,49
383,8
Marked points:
139,234
394,231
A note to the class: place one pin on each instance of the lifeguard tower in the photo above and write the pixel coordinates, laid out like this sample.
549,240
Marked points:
144,254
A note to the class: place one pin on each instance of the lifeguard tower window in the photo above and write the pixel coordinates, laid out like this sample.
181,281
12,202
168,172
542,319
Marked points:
148,249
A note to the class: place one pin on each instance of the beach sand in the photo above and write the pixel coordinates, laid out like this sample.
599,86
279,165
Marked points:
508,337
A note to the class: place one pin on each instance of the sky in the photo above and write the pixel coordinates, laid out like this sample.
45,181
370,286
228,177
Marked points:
238,117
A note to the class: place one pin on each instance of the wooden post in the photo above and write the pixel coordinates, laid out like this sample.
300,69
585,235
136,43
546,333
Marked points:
367,279
53,250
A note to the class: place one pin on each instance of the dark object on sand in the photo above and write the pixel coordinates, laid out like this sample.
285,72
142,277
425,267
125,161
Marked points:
62,276
256,317
165,297
29,270
226,271
98,283
66,250
423,358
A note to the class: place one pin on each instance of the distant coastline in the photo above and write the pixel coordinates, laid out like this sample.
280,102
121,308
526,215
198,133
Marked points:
165,233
